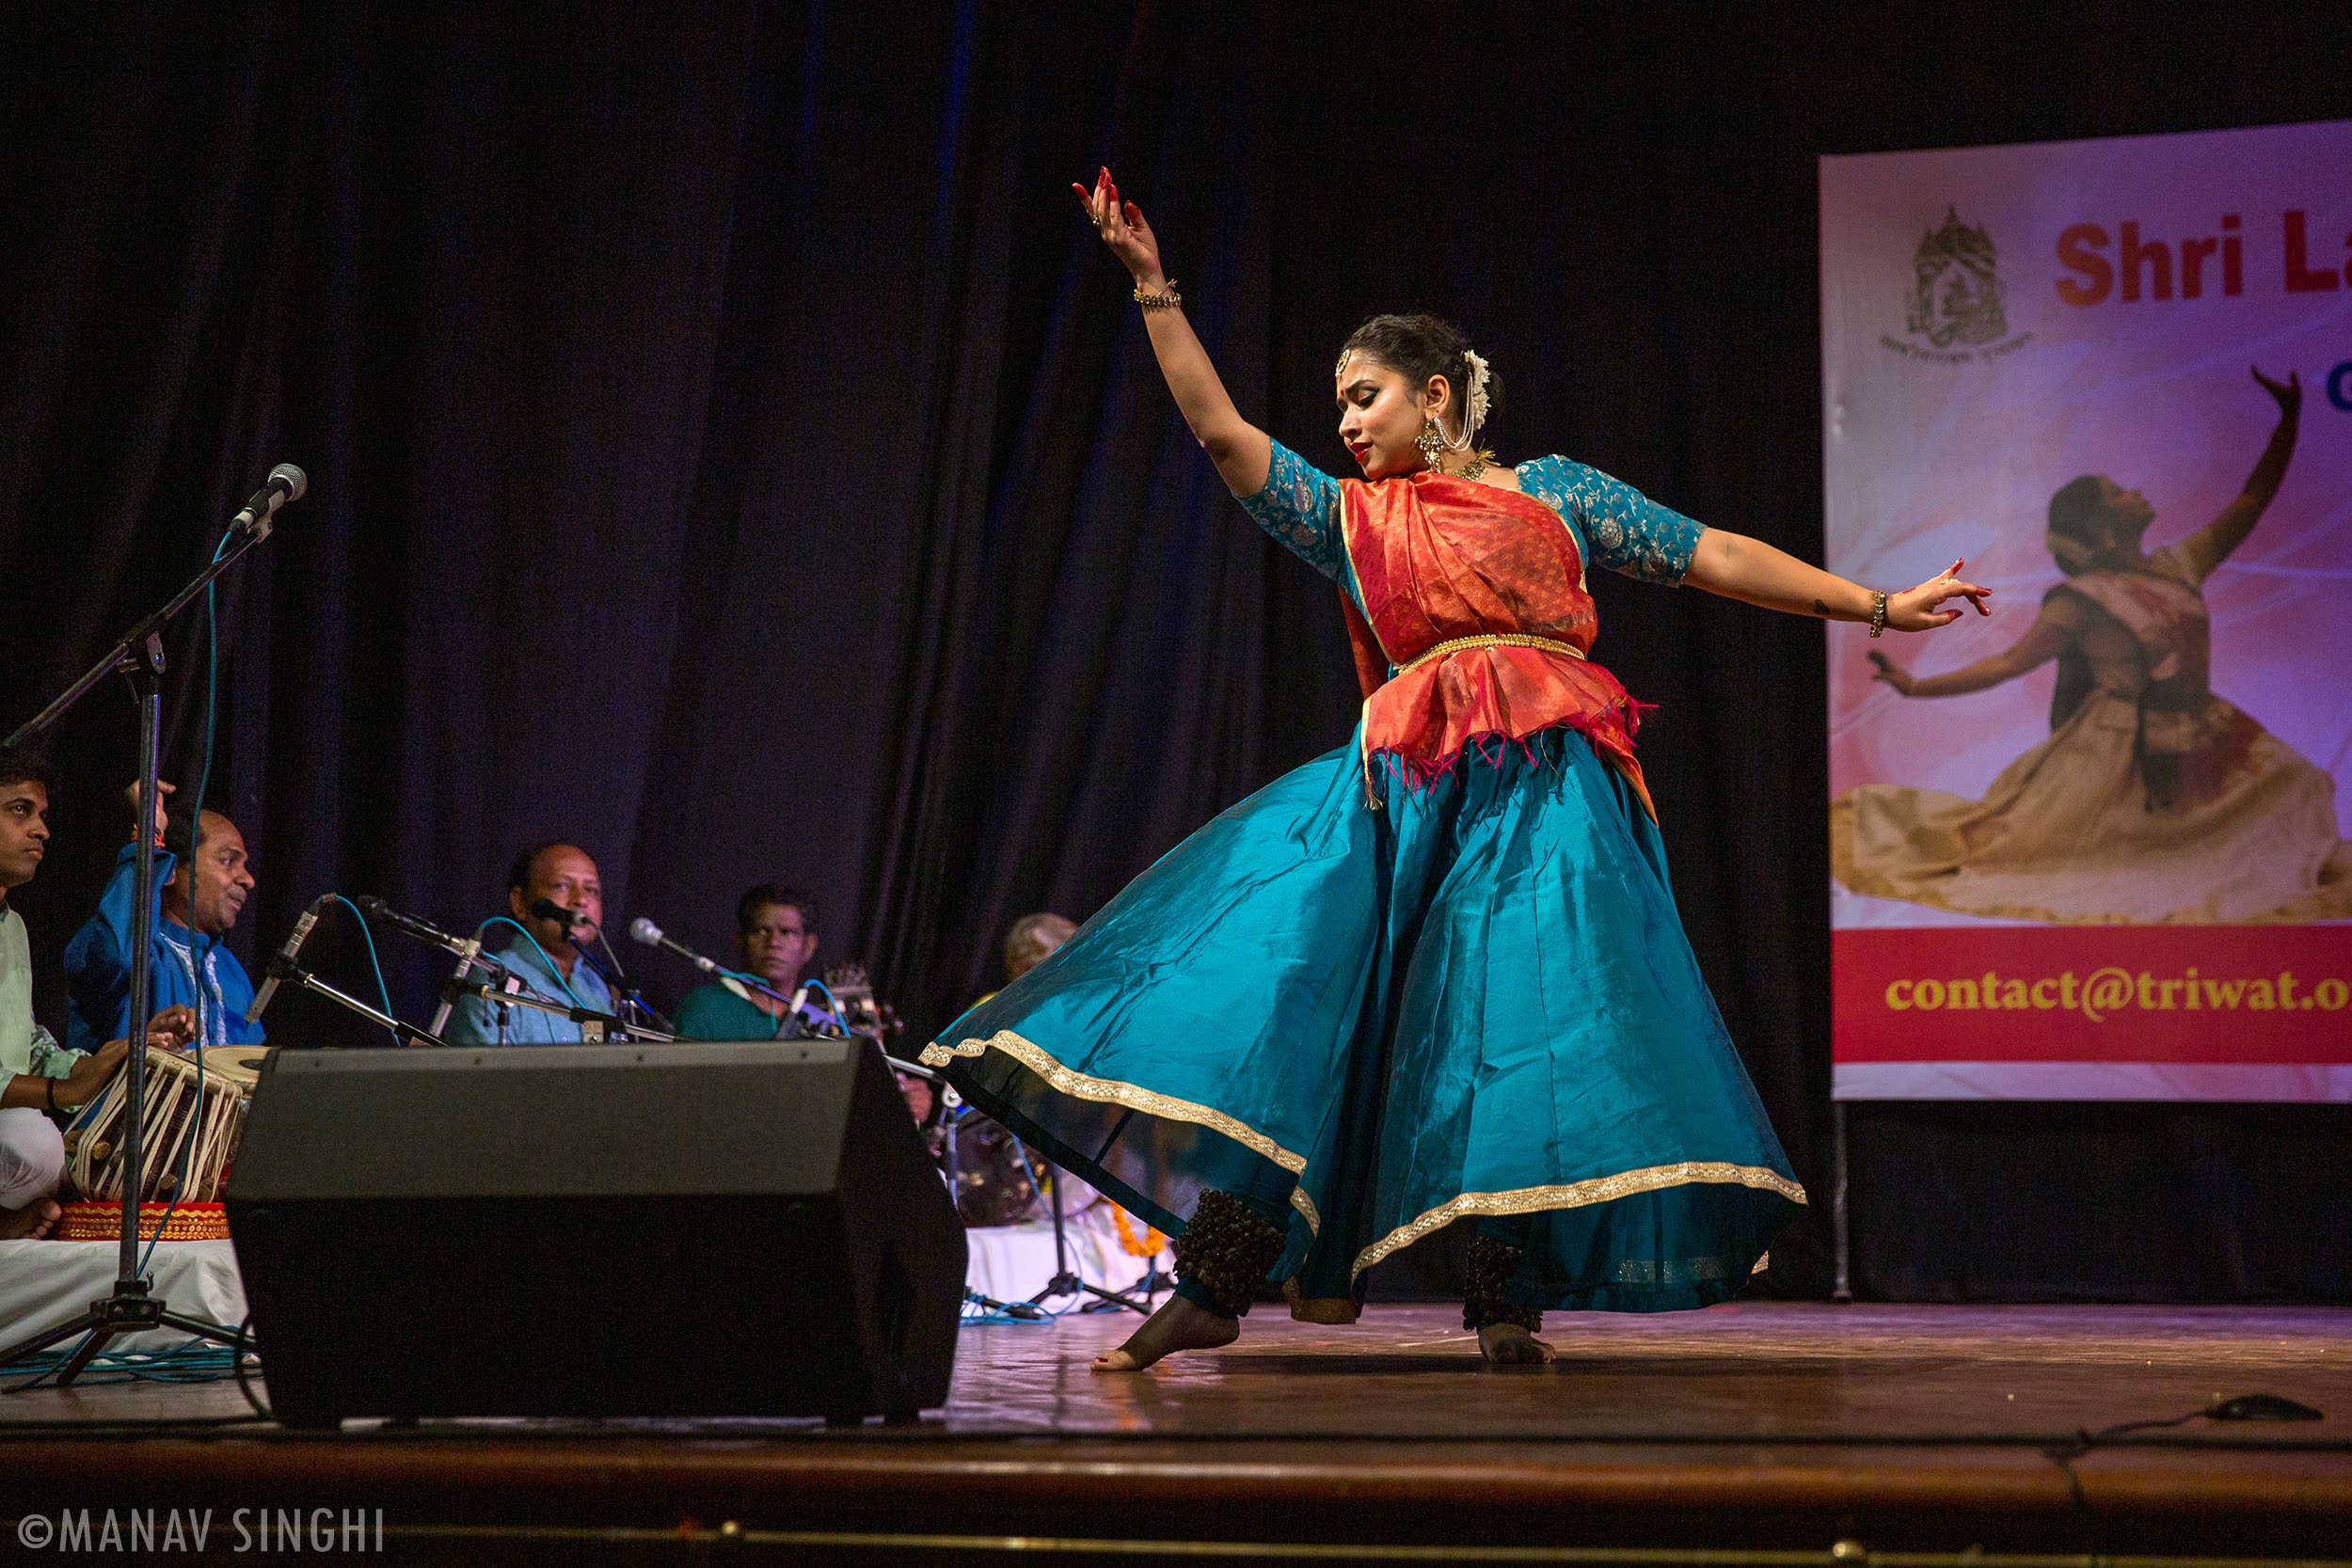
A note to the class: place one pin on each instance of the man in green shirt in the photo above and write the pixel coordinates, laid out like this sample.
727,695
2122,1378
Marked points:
776,933
38,1076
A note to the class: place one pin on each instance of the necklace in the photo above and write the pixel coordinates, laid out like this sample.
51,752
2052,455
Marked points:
1479,461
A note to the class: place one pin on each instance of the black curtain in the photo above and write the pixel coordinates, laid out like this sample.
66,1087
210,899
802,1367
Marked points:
730,453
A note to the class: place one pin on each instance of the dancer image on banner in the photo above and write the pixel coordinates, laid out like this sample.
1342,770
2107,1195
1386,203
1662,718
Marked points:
1436,974
2152,800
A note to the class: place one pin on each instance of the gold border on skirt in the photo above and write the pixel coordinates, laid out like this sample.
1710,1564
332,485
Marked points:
1576,1194
1110,1091
1522,1200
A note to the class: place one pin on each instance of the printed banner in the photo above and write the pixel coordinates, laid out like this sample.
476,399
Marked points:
2088,848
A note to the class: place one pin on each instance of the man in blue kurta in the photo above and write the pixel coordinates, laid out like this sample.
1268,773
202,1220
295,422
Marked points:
204,886
564,876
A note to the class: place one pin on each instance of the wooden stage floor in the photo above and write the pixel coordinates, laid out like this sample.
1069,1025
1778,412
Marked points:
1771,1431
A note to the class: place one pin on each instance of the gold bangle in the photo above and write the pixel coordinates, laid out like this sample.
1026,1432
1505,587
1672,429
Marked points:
1167,301
1878,612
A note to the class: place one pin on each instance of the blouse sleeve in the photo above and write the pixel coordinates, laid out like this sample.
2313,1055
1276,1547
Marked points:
1627,532
1300,508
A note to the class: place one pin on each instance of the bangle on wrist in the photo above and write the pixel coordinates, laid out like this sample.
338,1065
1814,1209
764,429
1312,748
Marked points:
1166,299
1878,612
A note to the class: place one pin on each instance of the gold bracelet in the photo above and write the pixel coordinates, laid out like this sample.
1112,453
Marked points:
1168,301
1878,612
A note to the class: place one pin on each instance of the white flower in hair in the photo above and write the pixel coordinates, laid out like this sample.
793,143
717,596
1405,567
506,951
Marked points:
1479,401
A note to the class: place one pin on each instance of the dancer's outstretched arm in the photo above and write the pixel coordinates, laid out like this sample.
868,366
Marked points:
2060,621
1240,450
1753,572
2210,545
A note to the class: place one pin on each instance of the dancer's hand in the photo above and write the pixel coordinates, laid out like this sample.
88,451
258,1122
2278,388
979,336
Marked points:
2288,393
1891,672
1919,609
1123,229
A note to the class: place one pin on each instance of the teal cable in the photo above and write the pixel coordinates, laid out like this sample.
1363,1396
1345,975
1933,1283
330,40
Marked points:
382,991
553,968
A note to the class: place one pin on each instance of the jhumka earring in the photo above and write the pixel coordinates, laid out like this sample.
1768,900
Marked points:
1432,443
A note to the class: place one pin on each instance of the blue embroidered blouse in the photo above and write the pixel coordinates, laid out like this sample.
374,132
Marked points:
1614,525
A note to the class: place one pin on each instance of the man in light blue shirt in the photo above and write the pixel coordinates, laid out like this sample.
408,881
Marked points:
547,964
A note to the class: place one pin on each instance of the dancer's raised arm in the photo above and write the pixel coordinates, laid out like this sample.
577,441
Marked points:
1240,450
2210,545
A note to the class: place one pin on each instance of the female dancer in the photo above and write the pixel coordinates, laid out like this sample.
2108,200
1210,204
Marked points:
2152,800
1438,973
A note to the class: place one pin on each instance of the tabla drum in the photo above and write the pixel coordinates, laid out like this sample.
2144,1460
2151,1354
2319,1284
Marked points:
196,1104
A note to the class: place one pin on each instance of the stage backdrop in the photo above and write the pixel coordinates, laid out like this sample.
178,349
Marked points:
2096,856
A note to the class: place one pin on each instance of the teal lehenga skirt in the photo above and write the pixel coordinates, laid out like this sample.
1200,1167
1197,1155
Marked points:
1476,999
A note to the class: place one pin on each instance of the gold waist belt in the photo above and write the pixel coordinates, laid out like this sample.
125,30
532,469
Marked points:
1496,640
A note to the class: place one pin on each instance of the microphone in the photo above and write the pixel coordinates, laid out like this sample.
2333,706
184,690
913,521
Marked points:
547,909
285,483
376,909
646,933
285,955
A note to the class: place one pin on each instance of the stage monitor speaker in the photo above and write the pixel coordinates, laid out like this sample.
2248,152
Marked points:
595,1230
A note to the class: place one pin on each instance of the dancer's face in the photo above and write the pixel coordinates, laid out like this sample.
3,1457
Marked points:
2128,515
1380,413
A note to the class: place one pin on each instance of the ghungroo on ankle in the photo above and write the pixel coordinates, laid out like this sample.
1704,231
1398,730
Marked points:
1226,1250
1491,1265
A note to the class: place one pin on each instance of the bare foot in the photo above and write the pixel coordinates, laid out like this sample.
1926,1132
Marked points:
1179,1325
1509,1345
30,1222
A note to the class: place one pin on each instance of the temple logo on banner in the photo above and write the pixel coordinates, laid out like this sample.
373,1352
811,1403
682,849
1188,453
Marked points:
1956,306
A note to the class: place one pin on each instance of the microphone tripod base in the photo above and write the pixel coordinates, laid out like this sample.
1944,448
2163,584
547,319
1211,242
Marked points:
129,1310
1068,1284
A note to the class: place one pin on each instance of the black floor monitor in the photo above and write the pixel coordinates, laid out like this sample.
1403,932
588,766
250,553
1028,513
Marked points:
608,1231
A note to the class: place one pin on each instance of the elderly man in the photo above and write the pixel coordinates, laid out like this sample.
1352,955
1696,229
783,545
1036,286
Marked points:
206,878
563,875
37,1075
775,934
1033,939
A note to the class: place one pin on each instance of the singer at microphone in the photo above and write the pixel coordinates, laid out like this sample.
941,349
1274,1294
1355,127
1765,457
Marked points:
554,896
775,938
203,883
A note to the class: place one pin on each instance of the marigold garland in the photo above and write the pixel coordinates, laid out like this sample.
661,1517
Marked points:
1150,1247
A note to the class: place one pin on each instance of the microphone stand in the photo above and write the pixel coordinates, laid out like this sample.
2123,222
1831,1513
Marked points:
287,973
617,978
1066,1280
605,1025
131,1307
